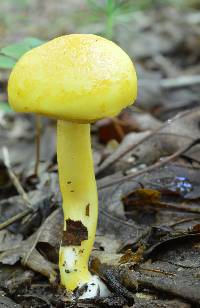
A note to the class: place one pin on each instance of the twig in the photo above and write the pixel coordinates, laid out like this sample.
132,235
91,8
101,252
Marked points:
25,259
19,189
37,142
117,219
188,166
14,179
152,167
106,163
183,221
155,270
171,206
15,218
166,65
180,82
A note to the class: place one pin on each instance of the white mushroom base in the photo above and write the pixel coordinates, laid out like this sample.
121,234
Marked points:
70,261
95,287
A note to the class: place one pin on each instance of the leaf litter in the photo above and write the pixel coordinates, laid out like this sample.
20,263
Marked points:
148,239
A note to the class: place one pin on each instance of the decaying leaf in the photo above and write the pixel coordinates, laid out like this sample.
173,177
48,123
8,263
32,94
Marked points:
14,277
49,232
143,195
18,135
128,141
133,257
144,299
6,302
112,216
42,207
8,239
173,135
163,276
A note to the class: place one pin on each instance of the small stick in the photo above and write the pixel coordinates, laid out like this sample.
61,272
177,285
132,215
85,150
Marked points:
155,270
183,221
180,82
37,143
19,189
33,246
15,218
124,222
158,164
105,164
14,179
167,206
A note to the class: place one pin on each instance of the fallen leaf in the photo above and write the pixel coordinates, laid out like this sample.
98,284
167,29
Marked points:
14,277
49,232
6,302
148,148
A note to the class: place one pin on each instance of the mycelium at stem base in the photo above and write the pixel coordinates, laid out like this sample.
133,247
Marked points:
80,202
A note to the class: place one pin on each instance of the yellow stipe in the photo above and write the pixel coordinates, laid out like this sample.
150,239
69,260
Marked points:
80,202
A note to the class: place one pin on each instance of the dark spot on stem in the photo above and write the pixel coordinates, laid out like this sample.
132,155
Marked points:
75,233
69,182
67,271
71,190
87,210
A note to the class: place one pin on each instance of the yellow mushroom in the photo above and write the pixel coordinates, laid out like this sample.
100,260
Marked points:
76,79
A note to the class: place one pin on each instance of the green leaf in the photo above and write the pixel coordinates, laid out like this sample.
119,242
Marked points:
5,107
34,42
17,50
93,4
6,62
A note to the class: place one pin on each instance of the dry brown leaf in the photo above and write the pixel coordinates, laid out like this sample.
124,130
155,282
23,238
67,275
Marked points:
173,135
48,233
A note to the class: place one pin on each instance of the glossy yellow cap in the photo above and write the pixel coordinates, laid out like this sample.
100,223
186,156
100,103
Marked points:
77,77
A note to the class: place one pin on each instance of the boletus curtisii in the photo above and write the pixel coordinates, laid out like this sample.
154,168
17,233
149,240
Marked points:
75,79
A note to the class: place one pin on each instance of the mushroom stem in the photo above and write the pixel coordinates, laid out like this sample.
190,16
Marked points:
80,202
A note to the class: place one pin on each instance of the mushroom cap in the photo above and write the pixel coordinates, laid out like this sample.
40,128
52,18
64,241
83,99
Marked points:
77,77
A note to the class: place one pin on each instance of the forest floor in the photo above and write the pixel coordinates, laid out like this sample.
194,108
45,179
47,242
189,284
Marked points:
147,164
